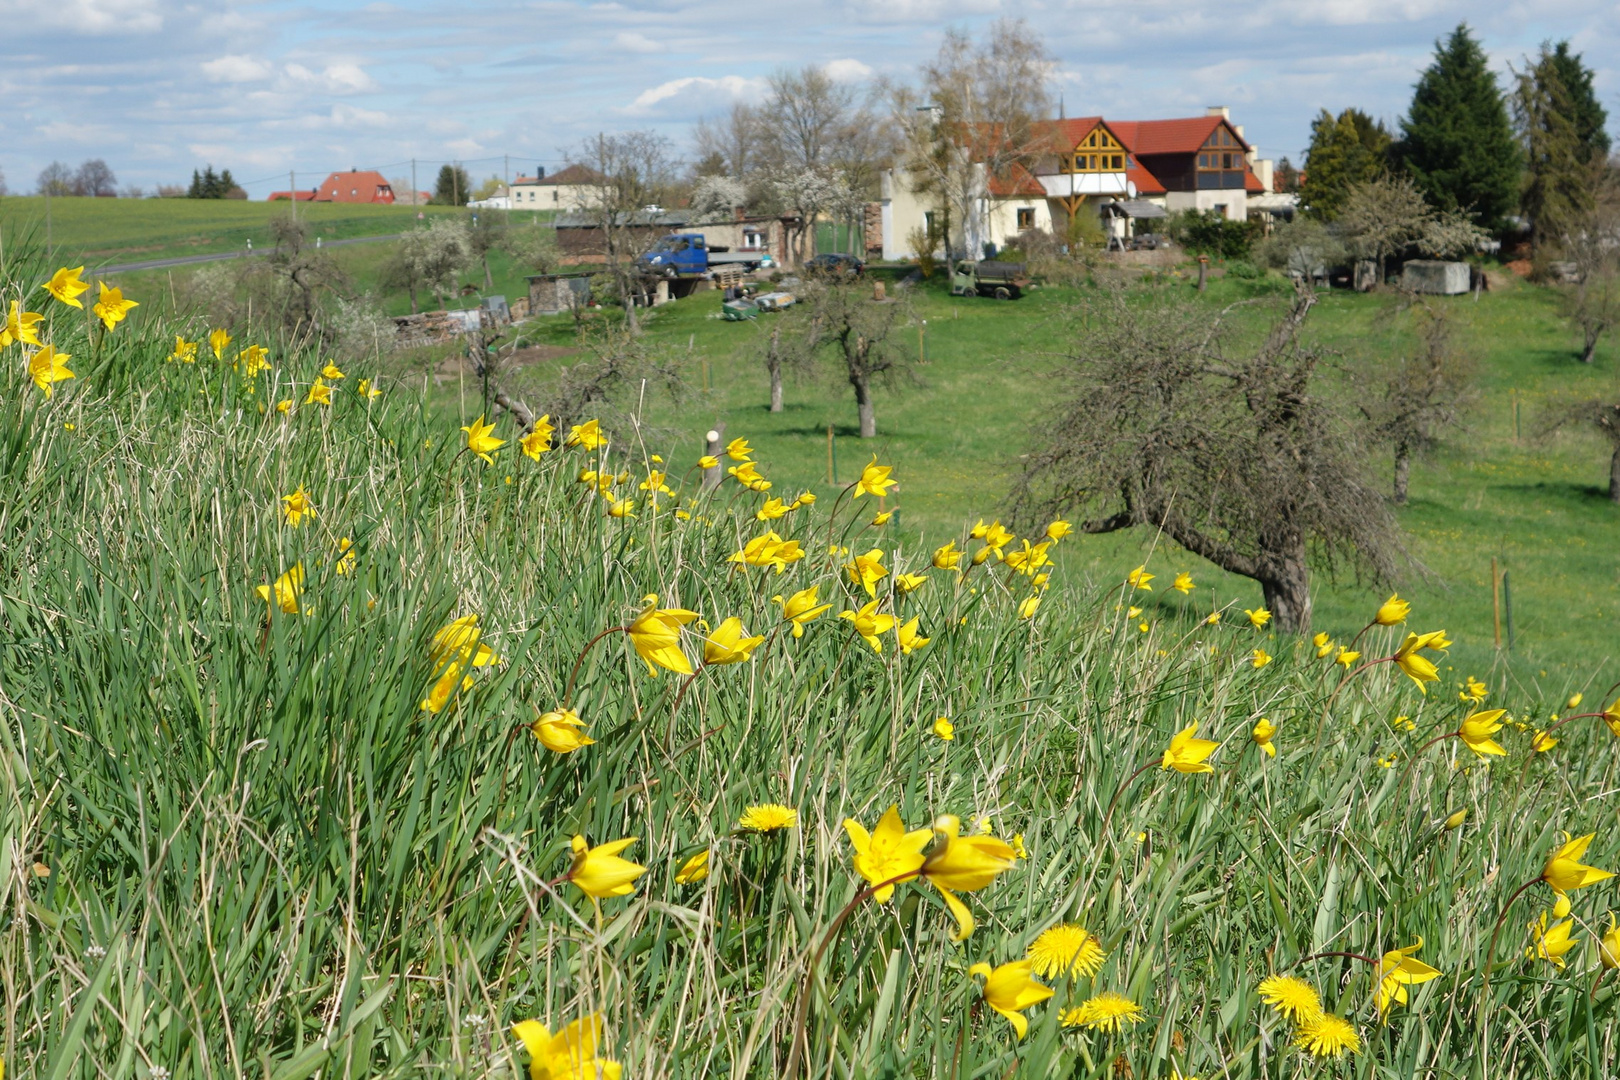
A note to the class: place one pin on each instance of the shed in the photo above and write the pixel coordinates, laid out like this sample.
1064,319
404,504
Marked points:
1435,277
551,293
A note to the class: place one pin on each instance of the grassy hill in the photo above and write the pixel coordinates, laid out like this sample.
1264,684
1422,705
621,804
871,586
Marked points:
328,748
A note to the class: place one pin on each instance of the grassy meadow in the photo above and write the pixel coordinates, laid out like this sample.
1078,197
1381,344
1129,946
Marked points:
293,783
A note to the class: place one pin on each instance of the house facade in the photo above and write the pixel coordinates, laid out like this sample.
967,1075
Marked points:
1112,170
563,191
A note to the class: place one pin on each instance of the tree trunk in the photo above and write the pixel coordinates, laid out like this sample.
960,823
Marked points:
411,288
1287,592
489,282
863,402
775,366
1403,473
1591,345
1614,477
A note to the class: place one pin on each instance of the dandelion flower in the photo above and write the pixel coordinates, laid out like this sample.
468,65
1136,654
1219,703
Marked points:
1328,1037
768,817
1293,999
1065,949
1107,1011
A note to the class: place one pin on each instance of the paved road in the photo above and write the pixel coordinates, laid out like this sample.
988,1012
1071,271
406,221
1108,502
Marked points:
187,260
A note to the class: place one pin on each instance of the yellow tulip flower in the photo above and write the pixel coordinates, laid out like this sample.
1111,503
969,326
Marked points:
217,340
570,1054
1262,735
870,624
773,509
286,590
1183,583
1456,819
1609,946
1010,990
946,558
1550,944
560,731
739,450
1324,645
1258,617
995,537
887,853
1410,659
48,366
112,308
694,869
331,372
1392,612
22,327
1564,870
875,480
321,394
1399,969
1477,729
1029,606
480,440
588,435
66,286
1187,753
944,729
909,583
728,645
800,608
297,506
1347,658
867,570
538,440
1260,658
367,388
1139,578
910,639
599,872
955,863
1057,530
708,461
1029,558
656,635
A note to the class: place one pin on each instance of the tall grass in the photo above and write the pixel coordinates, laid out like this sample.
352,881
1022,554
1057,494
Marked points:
234,843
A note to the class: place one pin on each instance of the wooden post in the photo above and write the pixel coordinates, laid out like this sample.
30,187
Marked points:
1515,412
1507,607
1203,271
922,348
832,459
713,447
1496,603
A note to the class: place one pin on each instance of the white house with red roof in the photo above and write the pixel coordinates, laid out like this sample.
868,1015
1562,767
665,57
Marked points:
1118,170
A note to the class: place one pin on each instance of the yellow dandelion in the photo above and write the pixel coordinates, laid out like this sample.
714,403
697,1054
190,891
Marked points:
1065,949
768,817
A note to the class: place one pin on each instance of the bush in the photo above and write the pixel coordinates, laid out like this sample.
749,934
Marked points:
1210,232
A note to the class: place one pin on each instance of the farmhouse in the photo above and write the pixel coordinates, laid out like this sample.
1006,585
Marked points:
1117,170
568,189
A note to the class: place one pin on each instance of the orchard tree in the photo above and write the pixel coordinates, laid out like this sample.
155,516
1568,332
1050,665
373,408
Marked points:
1456,140
55,179
628,171
1236,450
1427,392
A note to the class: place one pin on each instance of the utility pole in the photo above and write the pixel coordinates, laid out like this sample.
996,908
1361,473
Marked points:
292,191
506,172
455,183
414,188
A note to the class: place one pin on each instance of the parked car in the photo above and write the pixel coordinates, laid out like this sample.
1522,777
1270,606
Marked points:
835,264
1002,280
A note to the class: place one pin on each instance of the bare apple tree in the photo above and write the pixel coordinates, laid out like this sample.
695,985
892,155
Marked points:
629,171
1234,449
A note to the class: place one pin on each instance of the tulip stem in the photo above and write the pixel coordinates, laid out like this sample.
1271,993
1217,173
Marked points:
1321,724
1490,959
801,1014
1114,802
1348,955
568,692
1362,631
1567,719
680,695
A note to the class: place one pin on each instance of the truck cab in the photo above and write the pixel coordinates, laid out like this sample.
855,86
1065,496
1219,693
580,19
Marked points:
678,255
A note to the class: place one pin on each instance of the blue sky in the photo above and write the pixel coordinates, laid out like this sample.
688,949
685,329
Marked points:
159,87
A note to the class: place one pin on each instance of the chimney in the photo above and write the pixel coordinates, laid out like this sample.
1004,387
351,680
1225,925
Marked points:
539,172
1239,129
1218,110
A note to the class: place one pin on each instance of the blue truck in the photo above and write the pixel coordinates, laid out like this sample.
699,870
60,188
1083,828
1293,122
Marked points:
688,255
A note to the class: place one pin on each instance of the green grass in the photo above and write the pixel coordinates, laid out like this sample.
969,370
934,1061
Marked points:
1539,507
234,842
113,231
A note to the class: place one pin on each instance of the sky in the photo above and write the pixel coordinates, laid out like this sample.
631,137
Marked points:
158,88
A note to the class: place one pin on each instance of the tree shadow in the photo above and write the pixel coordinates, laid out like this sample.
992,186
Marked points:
1584,494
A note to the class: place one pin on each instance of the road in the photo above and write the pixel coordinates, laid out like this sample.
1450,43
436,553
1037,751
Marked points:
187,260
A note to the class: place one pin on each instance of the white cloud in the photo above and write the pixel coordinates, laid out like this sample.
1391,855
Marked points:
93,17
733,86
237,69
630,41
344,78
846,70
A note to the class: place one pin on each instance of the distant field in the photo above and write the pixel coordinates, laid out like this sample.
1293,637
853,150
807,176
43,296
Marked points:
110,231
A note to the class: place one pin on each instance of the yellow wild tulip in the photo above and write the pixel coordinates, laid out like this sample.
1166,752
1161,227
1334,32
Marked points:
1397,970
22,327
800,608
867,570
944,729
286,590
875,480
570,1054
728,643
561,731
1139,578
112,308
1262,735
656,636
1010,989
887,854
946,558
1258,617
739,450
599,872
694,869
1609,946
1476,731
870,624
66,286
1183,583
955,863
48,366
481,441
1187,753
297,506
588,435
1565,872
217,340
1410,659
1057,530
1392,612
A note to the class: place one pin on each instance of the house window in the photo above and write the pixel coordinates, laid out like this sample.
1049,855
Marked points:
1119,162
1026,219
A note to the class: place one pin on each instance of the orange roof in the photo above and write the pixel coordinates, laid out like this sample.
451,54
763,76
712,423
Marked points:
1146,183
1066,134
358,186
1183,136
1018,181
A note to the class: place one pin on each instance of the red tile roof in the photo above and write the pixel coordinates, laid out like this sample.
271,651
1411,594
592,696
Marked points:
1146,183
360,186
283,196
1018,181
1066,134
1183,136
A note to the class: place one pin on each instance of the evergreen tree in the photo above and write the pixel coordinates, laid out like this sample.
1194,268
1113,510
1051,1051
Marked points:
451,187
1457,143
1557,178
226,185
1346,150
1589,116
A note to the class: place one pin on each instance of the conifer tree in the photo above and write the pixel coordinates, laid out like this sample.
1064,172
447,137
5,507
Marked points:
1557,181
1346,150
1586,112
1457,142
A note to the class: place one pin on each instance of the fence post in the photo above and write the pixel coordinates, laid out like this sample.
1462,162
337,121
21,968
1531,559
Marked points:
1496,603
713,446
1507,607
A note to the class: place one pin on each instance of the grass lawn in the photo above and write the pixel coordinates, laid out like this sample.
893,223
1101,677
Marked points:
110,231
956,433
